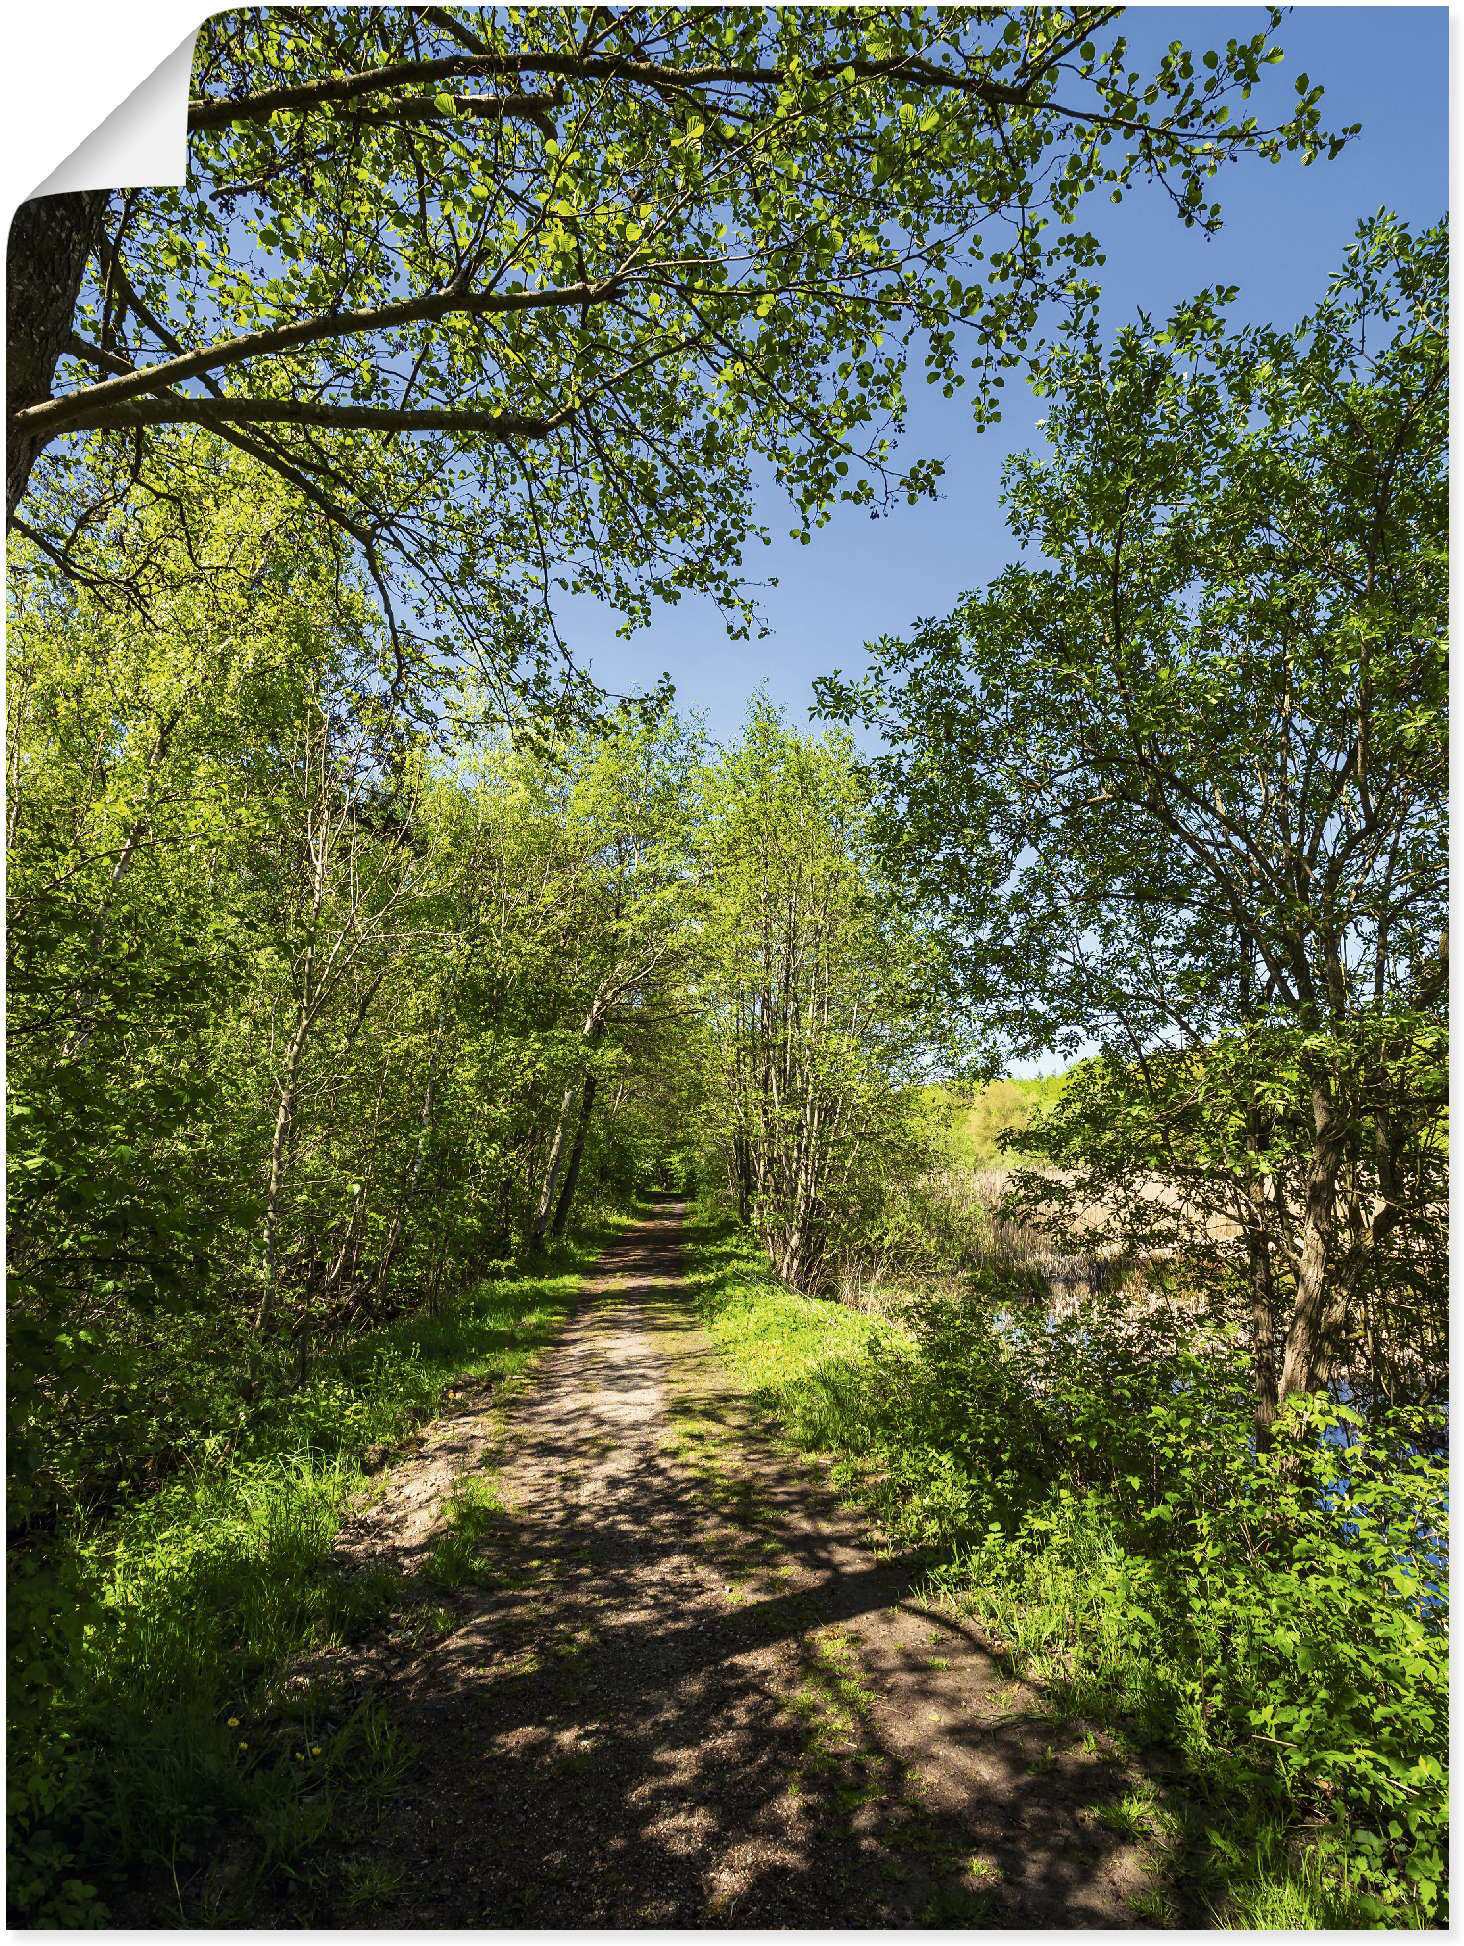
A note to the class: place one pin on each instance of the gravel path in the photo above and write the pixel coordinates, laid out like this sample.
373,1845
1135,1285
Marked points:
683,1688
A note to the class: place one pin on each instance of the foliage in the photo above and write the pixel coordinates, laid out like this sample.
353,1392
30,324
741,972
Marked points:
818,991
308,1025
340,976
1180,792
175,1719
974,1119
1088,1489
291,1005
488,289
293,1010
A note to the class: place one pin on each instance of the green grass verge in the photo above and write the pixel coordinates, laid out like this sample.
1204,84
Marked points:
176,1726
1070,1611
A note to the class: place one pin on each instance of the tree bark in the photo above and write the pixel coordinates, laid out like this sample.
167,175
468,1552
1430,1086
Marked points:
1316,1294
576,1155
742,1166
559,1147
1263,1330
551,1179
51,238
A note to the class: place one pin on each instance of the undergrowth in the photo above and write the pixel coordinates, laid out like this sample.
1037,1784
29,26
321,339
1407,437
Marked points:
1088,1491
175,1725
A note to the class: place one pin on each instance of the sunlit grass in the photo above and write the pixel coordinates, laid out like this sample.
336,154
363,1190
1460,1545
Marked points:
1073,1613
471,1512
179,1717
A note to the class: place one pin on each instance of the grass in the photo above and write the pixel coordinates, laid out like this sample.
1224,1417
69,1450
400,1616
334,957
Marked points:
1076,1624
472,1511
182,1722
1138,1814
1286,1893
370,1884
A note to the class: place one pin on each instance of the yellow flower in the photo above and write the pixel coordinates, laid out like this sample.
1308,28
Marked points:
243,1746
315,1749
233,1722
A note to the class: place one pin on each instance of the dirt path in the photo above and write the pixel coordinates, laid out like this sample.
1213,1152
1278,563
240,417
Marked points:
681,1687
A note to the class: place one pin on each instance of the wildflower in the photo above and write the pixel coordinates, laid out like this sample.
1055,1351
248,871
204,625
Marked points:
243,1746
233,1722
315,1749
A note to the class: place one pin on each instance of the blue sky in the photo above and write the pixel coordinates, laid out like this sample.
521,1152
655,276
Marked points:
1286,229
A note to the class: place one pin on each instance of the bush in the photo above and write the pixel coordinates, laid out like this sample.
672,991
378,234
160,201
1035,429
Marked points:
1093,1490
183,1611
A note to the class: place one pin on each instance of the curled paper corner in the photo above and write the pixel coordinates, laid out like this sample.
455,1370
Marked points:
143,143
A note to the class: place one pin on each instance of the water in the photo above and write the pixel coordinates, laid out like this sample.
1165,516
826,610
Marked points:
1424,1547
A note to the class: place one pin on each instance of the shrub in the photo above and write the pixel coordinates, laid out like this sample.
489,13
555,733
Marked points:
1092,1487
187,1605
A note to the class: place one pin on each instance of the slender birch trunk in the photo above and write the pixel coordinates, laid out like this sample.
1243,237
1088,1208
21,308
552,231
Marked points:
576,1155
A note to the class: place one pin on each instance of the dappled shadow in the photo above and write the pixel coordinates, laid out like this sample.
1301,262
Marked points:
685,1693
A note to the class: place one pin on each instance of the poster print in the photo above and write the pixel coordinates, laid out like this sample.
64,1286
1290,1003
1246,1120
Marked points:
726,912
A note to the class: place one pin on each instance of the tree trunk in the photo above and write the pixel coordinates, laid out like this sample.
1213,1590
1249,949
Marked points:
551,1178
1263,1335
50,241
558,1149
742,1167
1315,1295
576,1156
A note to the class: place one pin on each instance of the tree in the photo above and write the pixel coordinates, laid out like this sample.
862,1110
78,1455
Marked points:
624,799
293,1003
816,1009
520,302
1182,792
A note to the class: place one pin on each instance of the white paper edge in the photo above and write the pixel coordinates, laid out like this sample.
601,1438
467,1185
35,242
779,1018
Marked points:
143,143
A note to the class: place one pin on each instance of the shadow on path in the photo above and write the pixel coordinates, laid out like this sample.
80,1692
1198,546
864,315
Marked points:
684,1690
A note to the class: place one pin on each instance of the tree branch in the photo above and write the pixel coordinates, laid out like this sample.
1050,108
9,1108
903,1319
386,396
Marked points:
53,416
456,30
300,99
505,108
177,410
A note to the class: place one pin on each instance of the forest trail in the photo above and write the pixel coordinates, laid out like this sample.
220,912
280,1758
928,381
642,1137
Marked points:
682,1688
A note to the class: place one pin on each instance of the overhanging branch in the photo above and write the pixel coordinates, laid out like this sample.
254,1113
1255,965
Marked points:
81,409
224,411
303,96
501,108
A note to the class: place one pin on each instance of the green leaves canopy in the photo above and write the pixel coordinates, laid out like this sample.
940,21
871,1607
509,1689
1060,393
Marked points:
1182,790
819,997
523,302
